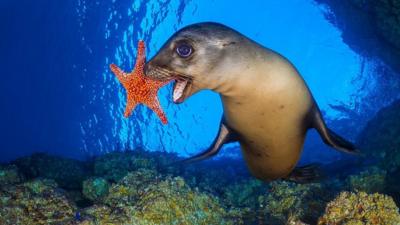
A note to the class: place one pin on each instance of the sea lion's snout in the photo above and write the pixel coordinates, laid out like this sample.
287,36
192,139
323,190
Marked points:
193,58
161,71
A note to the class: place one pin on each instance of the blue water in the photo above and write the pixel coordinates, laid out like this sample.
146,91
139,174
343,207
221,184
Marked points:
58,95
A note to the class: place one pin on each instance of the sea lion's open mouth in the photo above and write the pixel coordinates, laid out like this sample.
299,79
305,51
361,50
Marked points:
182,82
181,88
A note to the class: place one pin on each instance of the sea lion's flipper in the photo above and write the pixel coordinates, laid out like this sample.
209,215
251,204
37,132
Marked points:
331,138
225,135
305,174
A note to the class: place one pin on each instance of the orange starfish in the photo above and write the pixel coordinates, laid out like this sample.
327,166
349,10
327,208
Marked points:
139,88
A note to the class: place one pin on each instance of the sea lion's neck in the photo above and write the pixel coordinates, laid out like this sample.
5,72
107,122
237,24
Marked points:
239,73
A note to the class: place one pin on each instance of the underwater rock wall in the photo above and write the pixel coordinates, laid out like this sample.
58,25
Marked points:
380,139
370,27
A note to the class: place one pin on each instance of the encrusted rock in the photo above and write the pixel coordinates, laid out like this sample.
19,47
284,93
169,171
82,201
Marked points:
95,189
9,174
371,180
34,203
361,208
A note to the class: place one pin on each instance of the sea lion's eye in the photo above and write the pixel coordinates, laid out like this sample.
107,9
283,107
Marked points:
184,50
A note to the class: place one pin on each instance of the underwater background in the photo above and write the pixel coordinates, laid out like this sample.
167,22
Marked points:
62,124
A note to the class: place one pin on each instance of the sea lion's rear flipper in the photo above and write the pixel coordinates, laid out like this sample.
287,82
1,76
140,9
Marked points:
225,135
305,174
331,138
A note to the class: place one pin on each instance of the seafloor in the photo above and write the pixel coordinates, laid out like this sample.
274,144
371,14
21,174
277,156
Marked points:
142,187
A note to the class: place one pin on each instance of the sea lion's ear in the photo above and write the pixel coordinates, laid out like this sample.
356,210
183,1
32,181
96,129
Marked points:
225,135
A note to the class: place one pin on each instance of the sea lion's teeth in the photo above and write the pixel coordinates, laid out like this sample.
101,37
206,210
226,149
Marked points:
178,90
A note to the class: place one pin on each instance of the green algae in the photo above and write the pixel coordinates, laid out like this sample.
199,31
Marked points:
95,188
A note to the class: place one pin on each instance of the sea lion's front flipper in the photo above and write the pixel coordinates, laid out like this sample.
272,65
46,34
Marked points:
305,174
225,135
331,138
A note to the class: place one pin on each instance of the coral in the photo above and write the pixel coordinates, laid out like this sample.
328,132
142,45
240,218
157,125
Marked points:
95,188
68,173
295,200
380,139
371,180
9,174
34,203
361,208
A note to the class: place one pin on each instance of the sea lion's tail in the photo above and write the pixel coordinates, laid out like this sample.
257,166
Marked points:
329,137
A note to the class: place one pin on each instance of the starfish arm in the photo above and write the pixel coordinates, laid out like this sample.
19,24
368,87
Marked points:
141,57
121,75
156,107
130,105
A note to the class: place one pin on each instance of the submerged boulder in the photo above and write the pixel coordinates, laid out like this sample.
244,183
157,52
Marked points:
33,203
68,173
369,27
387,19
130,188
245,194
116,165
142,197
370,181
380,139
95,189
287,200
361,208
171,201
9,174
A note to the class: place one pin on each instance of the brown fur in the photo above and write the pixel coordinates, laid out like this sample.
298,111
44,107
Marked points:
266,102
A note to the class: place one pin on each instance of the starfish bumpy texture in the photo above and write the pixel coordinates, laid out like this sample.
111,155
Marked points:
139,88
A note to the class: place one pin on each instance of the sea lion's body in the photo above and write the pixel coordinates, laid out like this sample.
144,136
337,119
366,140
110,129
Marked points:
269,111
268,108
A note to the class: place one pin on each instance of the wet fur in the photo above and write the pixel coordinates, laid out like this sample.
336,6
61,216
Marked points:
266,102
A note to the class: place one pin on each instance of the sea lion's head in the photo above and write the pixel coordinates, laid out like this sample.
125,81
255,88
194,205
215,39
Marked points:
197,57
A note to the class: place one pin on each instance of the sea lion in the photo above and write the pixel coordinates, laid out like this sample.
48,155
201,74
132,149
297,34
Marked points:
268,107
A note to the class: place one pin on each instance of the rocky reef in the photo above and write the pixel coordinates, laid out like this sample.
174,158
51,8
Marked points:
288,200
370,27
380,139
371,180
38,201
138,187
361,208
67,173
